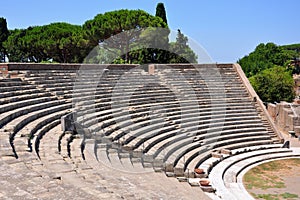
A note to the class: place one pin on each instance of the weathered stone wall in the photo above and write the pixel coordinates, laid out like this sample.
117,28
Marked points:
272,110
66,66
284,117
3,68
282,112
75,66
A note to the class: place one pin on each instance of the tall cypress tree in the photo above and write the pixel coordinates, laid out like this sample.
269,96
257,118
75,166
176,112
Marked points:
3,37
161,12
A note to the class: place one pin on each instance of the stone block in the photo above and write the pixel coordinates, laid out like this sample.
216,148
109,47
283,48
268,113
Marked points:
178,171
226,151
124,155
147,165
170,174
182,179
194,182
151,69
169,167
137,154
209,189
216,155
147,158
136,160
158,163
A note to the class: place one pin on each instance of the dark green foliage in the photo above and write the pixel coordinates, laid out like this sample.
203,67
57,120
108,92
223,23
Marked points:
294,47
270,71
151,47
122,36
181,52
264,57
295,63
106,25
16,50
3,37
274,85
157,50
61,42
120,31
161,12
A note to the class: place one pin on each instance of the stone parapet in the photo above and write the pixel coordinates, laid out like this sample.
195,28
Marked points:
60,66
257,100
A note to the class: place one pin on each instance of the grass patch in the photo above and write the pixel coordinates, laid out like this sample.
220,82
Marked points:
257,178
267,175
287,196
268,196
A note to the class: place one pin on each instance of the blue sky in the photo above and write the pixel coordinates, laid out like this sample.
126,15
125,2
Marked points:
227,29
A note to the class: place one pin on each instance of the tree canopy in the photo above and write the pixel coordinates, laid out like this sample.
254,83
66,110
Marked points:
3,37
61,42
294,47
121,36
161,12
134,36
274,84
121,30
270,71
264,57
181,52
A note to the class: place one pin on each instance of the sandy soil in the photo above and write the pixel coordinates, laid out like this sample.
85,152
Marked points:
289,175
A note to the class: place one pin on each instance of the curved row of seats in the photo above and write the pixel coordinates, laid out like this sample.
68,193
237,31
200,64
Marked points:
106,121
147,129
172,120
114,155
225,176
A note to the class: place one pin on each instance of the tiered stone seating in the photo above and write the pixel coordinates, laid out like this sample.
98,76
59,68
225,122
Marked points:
175,120
20,118
20,112
57,82
135,135
224,176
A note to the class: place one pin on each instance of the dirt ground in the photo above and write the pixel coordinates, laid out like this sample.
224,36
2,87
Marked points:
277,180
